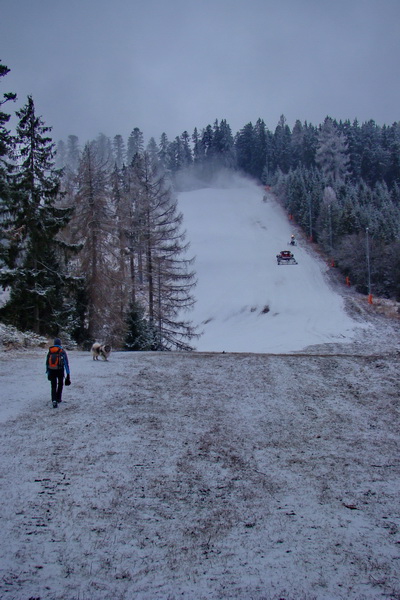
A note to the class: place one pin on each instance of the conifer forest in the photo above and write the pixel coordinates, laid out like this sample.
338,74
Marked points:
92,244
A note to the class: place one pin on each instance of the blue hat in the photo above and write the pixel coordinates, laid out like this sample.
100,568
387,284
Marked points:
57,342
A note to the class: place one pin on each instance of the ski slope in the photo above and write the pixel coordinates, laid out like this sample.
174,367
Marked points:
245,301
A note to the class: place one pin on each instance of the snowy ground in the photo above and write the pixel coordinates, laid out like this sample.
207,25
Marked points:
210,475
245,301
202,476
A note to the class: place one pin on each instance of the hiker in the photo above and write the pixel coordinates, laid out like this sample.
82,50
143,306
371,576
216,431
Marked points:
56,363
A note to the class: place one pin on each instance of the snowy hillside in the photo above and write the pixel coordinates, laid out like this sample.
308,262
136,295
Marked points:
245,301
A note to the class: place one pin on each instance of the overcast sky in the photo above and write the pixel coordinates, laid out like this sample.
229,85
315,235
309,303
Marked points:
172,65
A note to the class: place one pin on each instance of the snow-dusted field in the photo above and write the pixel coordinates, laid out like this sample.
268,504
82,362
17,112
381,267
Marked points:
216,474
202,476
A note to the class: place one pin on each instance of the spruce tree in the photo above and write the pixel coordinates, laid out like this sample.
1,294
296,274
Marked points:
5,165
69,161
163,270
282,145
198,150
135,144
223,144
61,155
187,158
354,146
119,151
35,260
310,143
393,166
163,151
73,154
140,336
244,144
5,137
122,291
332,155
92,228
297,144
371,168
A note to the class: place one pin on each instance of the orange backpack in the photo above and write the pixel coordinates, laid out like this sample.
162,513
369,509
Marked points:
55,358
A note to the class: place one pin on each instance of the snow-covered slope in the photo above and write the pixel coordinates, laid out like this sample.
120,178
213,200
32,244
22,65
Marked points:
245,301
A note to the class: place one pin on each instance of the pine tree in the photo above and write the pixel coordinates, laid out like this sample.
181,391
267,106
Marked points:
73,154
163,151
35,261
349,212
207,141
120,292
135,144
187,158
160,252
244,145
198,154
5,138
327,220
119,151
140,335
61,155
332,155
354,148
152,149
297,145
282,152
5,160
310,143
392,175
92,228
370,141
69,160
224,147
262,148
387,228
176,158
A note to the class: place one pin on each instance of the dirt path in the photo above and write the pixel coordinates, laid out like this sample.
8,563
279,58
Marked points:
203,476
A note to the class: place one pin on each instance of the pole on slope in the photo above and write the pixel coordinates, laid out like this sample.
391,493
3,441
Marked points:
331,236
368,265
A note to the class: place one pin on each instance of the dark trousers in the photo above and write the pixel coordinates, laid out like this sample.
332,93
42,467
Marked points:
56,378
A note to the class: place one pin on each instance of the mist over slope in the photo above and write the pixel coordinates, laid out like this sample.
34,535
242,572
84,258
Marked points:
245,301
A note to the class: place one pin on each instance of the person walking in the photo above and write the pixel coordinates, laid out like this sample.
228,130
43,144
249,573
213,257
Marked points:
56,364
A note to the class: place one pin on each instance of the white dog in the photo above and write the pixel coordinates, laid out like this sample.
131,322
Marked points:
103,350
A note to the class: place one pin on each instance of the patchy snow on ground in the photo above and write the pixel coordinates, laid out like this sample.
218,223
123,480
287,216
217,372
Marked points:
212,475
201,476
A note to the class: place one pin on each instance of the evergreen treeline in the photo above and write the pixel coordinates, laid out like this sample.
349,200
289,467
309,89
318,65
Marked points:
338,181
91,240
